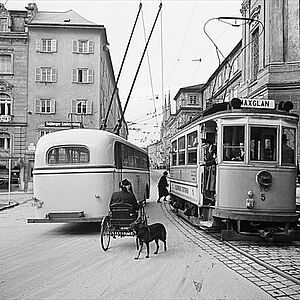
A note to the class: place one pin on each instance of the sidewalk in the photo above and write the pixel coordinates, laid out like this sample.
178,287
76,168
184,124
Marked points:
13,199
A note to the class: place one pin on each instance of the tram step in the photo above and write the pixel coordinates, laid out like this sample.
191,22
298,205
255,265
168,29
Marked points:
66,214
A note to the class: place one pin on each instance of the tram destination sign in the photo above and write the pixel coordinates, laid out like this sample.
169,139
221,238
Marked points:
258,103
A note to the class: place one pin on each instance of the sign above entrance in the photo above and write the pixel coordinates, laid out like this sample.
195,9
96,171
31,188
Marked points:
62,124
258,103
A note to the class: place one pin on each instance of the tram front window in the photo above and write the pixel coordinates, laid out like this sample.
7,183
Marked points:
233,143
263,143
288,146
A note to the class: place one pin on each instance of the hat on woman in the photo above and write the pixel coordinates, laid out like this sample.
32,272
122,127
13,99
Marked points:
125,182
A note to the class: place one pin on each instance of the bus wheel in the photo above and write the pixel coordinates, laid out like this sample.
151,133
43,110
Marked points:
105,233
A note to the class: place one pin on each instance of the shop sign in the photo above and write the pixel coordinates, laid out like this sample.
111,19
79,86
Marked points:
62,124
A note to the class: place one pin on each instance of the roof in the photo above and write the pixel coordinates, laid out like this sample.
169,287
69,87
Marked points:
191,88
69,17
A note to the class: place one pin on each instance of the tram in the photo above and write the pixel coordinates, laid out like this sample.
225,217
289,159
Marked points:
235,168
77,170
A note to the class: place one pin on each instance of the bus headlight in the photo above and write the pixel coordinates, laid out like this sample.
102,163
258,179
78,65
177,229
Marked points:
264,179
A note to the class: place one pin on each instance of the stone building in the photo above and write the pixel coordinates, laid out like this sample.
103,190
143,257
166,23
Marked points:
13,94
56,74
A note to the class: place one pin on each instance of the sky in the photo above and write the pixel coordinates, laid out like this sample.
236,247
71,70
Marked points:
179,53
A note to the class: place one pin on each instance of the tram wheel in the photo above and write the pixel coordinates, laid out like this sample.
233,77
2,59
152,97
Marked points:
105,233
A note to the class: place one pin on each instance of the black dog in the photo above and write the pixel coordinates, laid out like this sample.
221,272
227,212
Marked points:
146,234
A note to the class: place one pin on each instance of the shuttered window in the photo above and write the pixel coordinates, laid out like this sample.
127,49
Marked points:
82,107
45,74
83,75
83,46
46,45
45,106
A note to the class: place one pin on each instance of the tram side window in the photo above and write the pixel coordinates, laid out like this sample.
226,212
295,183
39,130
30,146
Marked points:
192,143
181,151
174,153
68,155
288,146
263,142
233,143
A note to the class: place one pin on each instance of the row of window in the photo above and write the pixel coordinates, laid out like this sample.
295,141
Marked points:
47,106
45,45
262,147
49,74
78,106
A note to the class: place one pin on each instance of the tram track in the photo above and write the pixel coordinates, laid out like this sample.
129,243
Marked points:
274,268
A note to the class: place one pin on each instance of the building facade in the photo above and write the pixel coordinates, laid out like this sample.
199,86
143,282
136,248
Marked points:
61,77
259,66
13,94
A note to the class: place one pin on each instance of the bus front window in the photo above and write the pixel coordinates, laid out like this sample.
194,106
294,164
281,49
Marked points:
263,143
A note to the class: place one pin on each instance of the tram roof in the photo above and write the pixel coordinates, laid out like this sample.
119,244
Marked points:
226,110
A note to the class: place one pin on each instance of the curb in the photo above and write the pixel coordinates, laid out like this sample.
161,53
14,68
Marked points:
10,205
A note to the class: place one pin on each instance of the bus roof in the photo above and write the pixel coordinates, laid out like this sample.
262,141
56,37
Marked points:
99,142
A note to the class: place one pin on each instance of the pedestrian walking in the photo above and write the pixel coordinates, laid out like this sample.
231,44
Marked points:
162,187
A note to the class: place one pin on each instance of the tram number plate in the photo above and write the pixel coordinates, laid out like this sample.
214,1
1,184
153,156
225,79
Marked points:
262,197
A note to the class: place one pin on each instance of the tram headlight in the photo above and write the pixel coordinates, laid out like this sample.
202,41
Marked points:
264,179
250,200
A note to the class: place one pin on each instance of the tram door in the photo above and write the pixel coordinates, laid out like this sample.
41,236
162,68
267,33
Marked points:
209,171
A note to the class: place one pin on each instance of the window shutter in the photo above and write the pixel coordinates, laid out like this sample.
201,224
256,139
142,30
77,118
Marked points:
52,106
54,45
89,108
37,74
91,46
37,45
74,75
91,76
74,106
53,74
75,46
37,106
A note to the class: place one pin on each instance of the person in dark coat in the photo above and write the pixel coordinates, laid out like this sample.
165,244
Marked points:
124,195
162,187
287,152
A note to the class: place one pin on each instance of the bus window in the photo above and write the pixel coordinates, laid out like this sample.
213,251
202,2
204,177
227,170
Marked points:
68,155
118,156
192,143
263,143
127,157
233,143
288,146
174,153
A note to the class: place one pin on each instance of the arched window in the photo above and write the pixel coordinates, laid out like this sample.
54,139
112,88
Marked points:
5,105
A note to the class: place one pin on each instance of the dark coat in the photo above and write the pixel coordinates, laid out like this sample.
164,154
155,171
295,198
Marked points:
124,197
162,187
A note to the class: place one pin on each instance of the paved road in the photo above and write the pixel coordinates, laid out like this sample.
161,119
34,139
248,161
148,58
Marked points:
63,261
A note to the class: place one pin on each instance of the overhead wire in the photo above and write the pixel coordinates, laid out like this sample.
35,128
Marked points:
149,67
119,124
